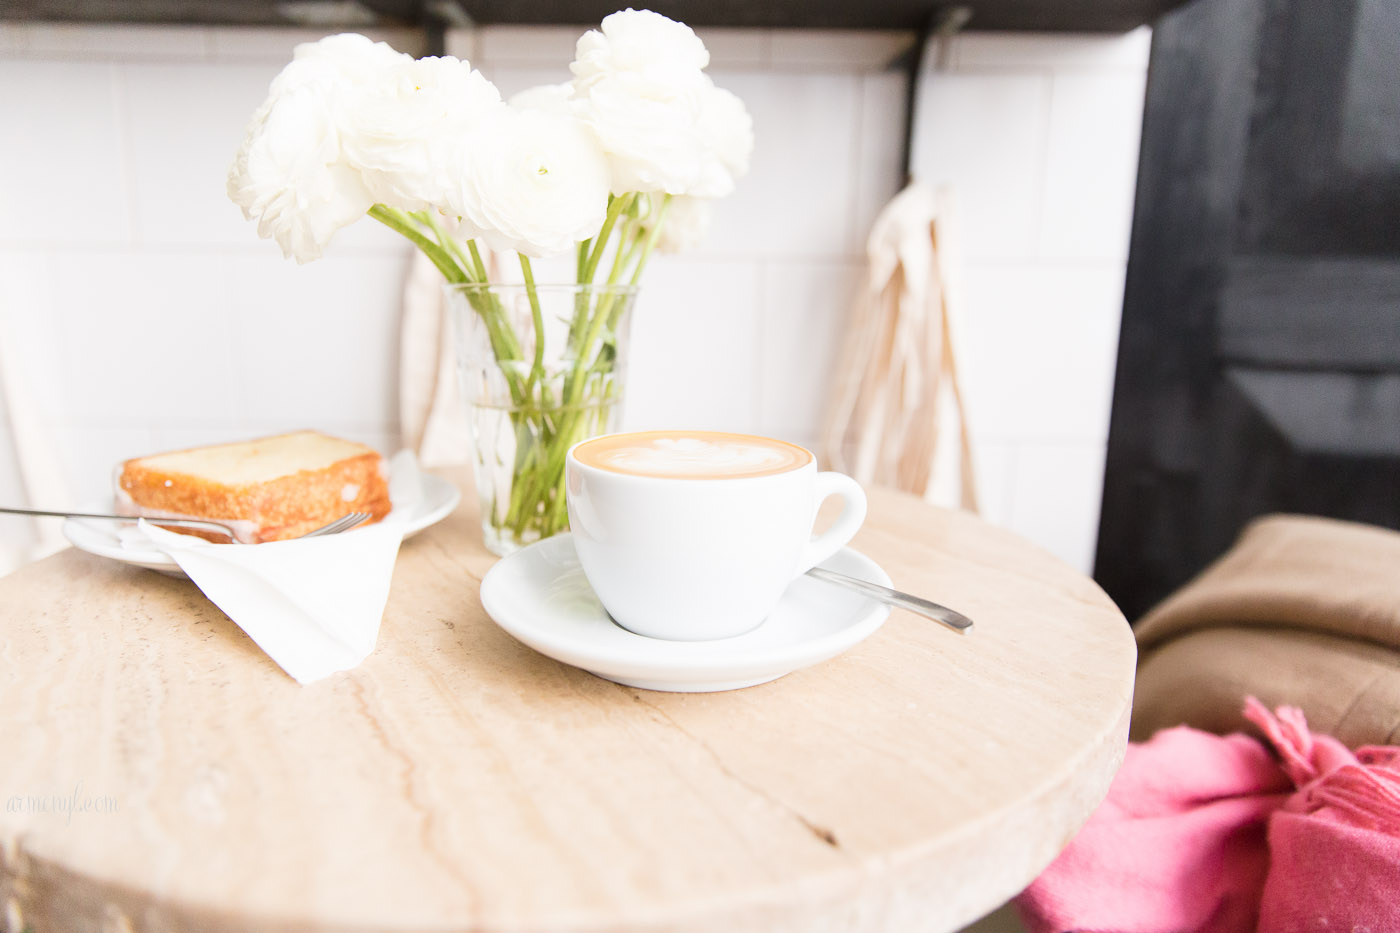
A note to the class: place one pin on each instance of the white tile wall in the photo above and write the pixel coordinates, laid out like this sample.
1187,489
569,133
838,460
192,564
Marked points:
1038,135
17,539
28,317
986,136
879,136
695,354
62,158
804,306
333,358
799,198
1088,208
1052,483
117,244
176,168
1040,340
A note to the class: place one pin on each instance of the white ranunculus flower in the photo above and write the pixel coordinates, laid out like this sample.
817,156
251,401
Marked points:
350,123
535,182
400,131
726,135
650,138
685,224
290,177
666,53
551,97
640,87
346,60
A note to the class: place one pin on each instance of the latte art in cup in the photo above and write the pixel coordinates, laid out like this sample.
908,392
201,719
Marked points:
695,535
691,455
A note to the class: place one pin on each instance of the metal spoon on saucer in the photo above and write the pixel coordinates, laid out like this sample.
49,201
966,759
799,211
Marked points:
916,604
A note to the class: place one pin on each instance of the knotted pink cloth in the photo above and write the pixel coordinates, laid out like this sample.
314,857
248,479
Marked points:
1201,832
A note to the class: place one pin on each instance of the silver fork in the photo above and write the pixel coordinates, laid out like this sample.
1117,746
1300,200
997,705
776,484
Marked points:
344,523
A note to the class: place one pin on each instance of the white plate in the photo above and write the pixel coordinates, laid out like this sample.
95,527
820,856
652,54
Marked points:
103,538
540,596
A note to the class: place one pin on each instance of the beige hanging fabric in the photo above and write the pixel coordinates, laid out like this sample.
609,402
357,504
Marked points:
897,416
32,446
432,415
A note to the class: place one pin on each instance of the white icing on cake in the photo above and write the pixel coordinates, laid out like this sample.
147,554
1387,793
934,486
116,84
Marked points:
243,530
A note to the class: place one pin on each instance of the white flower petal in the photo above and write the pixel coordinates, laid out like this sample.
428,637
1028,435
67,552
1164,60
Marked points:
537,184
639,41
685,224
639,86
551,97
400,131
289,176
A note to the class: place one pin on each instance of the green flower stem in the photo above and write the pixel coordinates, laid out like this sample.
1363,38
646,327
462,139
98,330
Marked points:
581,299
576,415
476,261
590,420
507,334
579,413
409,225
503,341
606,314
616,205
651,238
400,222
626,245
576,422
523,507
531,438
548,414
583,323
537,317
583,258
448,241
608,311
534,414
602,313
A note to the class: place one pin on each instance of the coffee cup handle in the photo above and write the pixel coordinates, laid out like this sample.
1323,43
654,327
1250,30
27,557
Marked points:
846,525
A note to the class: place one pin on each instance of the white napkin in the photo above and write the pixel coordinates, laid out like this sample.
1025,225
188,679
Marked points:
313,604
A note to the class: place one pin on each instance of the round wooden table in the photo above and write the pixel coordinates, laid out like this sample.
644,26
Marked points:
161,773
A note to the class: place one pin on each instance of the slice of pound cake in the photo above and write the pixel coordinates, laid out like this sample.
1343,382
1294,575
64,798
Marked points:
268,489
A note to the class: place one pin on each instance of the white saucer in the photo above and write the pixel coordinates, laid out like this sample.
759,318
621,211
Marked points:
103,538
540,596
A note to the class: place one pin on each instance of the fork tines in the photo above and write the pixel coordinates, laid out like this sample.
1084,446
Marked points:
344,523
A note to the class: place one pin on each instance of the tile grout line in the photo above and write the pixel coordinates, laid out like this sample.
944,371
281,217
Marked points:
853,237
1043,175
763,287
121,108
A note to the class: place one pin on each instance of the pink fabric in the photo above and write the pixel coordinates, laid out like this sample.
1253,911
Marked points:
1201,832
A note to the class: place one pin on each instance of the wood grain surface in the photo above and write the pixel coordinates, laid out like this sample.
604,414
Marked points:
160,773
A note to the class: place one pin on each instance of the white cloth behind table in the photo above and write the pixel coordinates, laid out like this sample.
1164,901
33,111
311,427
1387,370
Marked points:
313,604
39,473
431,409
897,416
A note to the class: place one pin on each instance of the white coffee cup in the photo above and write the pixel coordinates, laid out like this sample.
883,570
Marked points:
682,545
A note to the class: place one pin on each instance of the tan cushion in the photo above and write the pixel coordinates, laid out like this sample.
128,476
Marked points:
1301,611
1347,688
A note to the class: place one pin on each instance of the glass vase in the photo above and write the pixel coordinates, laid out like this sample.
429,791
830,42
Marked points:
541,367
